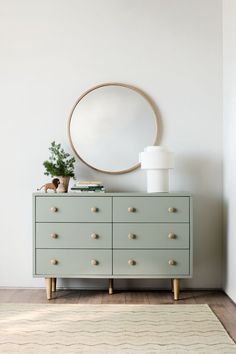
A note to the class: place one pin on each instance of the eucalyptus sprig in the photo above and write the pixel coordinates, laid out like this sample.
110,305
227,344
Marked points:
59,163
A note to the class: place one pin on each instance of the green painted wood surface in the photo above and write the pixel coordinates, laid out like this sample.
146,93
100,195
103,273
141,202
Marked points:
73,235
73,261
150,235
71,209
112,194
113,221
149,209
153,262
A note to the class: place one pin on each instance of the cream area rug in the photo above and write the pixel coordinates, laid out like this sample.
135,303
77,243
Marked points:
54,328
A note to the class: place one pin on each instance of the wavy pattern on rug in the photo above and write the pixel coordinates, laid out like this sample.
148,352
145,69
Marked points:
50,328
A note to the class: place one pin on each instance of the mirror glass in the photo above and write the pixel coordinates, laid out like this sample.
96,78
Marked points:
110,124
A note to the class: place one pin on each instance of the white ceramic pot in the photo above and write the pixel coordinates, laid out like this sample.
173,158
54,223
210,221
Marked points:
64,184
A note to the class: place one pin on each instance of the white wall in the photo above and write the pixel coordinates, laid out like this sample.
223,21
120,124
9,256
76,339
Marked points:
229,144
52,51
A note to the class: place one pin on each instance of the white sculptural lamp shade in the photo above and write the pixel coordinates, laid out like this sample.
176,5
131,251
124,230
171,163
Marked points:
157,160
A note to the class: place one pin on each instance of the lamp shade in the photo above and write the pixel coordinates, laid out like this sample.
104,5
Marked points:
157,160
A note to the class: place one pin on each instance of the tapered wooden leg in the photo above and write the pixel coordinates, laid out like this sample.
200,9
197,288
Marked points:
48,288
176,284
172,285
110,286
54,285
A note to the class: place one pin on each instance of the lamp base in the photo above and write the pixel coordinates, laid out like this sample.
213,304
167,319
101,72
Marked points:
158,181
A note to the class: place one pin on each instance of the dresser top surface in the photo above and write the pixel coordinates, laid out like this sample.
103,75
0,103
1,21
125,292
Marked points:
112,194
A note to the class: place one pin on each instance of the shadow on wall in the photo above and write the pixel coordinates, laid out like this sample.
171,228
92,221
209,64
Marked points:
203,178
225,257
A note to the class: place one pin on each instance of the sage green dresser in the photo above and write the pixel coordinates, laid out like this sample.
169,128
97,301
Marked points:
112,235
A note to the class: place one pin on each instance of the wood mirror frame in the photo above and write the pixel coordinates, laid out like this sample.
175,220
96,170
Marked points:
152,108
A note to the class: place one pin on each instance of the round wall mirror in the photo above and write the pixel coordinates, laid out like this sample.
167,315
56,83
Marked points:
110,125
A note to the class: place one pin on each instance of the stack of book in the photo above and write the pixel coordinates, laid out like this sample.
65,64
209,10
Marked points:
88,186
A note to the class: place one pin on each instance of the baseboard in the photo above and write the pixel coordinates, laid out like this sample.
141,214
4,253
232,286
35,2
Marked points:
116,288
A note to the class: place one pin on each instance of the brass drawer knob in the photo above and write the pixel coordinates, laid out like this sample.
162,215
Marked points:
54,209
131,236
131,210
172,262
131,262
171,236
94,236
171,210
54,261
94,262
54,235
94,210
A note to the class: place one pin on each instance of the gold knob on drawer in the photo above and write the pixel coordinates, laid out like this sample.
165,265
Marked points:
171,210
171,236
172,262
131,262
131,236
131,210
94,262
94,210
94,236
54,209
54,261
54,235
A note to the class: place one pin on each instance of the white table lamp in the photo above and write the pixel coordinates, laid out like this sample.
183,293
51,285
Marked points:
157,160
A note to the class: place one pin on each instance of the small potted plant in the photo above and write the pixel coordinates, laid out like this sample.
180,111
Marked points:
60,165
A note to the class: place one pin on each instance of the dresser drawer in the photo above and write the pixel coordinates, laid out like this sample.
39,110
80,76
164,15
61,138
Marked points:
73,235
58,262
151,262
73,209
151,209
151,235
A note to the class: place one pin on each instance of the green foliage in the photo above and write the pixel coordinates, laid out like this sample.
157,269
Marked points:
60,163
